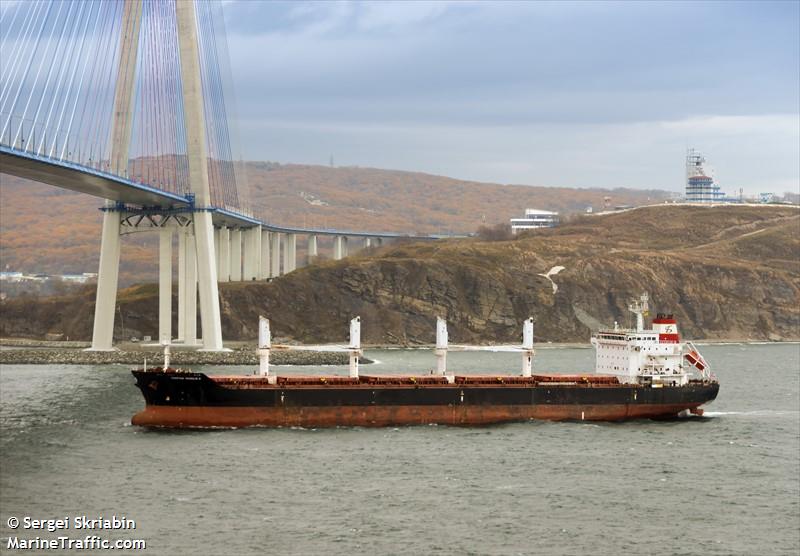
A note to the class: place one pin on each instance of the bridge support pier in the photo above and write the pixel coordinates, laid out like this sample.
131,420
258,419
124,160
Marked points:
182,285
216,249
275,264
217,233
252,253
289,253
367,242
197,158
236,255
165,286
107,280
247,261
339,247
312,248
207,282
263,272
190,291
224,255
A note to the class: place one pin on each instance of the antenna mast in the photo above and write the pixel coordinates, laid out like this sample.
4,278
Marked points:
640,307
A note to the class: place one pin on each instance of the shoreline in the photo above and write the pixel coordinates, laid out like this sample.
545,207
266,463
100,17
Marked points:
19,351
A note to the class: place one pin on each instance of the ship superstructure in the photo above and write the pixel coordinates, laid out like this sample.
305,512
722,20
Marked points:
653,356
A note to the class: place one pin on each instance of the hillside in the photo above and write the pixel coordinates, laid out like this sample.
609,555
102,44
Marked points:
409,201
726,272
45,229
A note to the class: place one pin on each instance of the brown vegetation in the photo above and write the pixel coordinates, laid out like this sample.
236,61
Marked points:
498,232
726,272
46,229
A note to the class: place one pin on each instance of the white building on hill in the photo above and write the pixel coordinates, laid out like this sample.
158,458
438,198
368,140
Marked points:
534,218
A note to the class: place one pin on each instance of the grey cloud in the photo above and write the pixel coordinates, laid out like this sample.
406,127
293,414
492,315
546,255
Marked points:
488,89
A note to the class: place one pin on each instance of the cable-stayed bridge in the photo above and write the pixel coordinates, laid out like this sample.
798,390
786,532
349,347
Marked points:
131,101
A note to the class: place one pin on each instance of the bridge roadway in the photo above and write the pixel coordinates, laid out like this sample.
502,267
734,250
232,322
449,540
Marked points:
98,183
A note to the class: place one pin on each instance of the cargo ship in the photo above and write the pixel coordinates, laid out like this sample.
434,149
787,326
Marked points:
639,374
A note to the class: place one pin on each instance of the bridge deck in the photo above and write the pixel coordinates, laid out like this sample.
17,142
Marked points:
74,177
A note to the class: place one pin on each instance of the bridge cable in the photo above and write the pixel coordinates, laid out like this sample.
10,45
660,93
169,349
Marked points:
28,67
38,73
79,89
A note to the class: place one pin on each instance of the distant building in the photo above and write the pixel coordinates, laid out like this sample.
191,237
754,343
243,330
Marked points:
79,278
534,219
11,276
700,186
20,277
8,276
766,197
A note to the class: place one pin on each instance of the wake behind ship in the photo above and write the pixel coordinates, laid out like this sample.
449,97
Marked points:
639,373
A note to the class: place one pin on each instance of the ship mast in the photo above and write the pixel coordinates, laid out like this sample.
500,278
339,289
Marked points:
639,307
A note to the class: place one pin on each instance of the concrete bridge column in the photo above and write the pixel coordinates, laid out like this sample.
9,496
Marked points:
339,247
378,241
108,271
289,253
256,274
181,285
165,286
190,289
224,255
107,279
236,255
247,246
312,248
263,273
252,253
216,250
367,242
196,155
275,263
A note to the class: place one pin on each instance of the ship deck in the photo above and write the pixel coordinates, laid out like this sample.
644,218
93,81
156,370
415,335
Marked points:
388,381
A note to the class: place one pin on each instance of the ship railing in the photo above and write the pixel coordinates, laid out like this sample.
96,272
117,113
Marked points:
443,346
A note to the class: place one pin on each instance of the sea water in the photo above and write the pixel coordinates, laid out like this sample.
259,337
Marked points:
728,483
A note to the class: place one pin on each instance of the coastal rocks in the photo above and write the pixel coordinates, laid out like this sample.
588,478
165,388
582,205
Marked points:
54,356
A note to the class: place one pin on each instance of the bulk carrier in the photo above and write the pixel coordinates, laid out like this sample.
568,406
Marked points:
639,373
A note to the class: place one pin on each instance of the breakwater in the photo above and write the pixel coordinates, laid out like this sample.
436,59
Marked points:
178,358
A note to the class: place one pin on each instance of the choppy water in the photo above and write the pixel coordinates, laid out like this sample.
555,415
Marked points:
726,484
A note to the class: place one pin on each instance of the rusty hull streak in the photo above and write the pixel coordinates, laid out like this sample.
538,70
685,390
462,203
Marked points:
381,416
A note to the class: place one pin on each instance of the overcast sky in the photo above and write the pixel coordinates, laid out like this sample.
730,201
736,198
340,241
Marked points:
559,94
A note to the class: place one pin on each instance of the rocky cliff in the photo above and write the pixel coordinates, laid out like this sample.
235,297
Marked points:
726,272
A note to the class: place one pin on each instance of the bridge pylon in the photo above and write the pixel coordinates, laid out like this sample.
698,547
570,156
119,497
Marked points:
108,272
199,255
